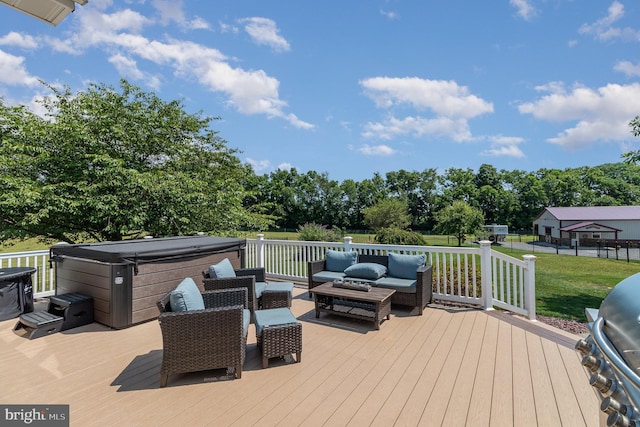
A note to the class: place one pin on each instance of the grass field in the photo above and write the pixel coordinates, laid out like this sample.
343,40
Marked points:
565,285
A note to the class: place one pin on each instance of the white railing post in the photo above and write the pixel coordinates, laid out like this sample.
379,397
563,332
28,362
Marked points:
260,251
347,243
530,285
486,275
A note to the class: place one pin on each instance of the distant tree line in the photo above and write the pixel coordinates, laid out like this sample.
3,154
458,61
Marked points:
108,164
513,198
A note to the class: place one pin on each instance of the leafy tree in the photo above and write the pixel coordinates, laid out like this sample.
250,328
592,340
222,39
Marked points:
529,198
352,211
458,184
633,156
278,190
419,191
459,220
110,165
388,213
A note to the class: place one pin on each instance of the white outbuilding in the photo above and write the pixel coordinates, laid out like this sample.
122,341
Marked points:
588,226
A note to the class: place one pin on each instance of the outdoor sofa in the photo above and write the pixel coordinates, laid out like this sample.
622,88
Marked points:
406,274
202,330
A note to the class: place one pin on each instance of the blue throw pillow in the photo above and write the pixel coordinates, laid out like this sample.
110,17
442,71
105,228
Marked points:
186,296
339,260
222,270
366,270
405,266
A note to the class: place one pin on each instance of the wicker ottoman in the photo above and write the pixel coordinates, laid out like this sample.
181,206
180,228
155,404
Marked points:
278,333
276,295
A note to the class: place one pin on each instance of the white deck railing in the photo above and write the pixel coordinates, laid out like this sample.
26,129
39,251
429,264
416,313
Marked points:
477,276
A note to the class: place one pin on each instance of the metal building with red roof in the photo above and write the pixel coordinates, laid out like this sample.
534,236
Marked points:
588,225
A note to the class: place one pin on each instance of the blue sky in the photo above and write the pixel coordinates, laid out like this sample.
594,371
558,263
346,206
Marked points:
357,87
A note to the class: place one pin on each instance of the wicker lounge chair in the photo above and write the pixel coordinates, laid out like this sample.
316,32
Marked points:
200,340
245,278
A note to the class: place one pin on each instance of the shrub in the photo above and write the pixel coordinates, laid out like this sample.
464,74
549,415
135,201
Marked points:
396,236
320,233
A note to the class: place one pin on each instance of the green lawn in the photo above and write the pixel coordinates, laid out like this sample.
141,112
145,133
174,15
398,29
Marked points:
565,284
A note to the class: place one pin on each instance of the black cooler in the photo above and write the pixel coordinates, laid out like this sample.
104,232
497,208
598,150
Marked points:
127,278
16,291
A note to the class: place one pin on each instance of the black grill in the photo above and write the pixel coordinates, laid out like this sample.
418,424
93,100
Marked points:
611,353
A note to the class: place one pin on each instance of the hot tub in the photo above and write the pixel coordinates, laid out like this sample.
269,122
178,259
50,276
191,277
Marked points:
127,278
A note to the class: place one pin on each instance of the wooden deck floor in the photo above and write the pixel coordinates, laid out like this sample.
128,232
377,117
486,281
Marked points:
451,366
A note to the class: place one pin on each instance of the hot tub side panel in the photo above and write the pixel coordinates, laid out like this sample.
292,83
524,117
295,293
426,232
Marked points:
108,284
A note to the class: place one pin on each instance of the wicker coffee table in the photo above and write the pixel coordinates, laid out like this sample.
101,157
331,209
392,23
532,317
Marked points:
374,305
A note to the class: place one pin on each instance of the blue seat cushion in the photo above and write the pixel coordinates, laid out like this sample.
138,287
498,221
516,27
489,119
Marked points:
280,286
186,296
328,276
246,319
405,266
260,287
272,317
222,270
339,260
407,286
366,270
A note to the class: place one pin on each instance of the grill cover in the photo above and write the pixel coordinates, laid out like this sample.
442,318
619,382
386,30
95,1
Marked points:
148,250
621,312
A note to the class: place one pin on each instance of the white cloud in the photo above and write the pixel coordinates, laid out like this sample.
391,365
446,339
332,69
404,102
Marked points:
285,166
264,31
524,8
198,23
258,165
603,28
505,146
444,98
389,14
172,11
227,28
600,114
169,11
118,34
392,127
24,41
452,105
128,68
13,71
629,69
376,150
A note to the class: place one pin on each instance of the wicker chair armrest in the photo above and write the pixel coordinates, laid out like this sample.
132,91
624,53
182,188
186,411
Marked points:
314,267
226,297
258,272
424,283
164,304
